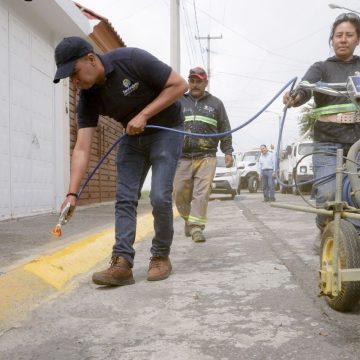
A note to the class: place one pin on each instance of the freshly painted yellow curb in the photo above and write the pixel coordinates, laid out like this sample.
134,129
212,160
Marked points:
57,269
20,292
28,285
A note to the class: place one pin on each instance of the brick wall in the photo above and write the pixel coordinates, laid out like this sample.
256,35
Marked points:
102,186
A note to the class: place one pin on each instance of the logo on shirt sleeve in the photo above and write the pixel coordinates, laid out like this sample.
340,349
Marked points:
129,87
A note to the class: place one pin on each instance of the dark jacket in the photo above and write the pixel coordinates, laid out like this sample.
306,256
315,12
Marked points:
205,115
332,70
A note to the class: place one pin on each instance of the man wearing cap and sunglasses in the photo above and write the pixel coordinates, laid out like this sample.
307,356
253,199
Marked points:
204,114
135,88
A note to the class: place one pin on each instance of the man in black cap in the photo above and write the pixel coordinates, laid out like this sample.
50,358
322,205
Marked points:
204,114
135,88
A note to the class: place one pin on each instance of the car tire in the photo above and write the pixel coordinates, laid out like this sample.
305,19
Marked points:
253,184
238,188
295,190
285,189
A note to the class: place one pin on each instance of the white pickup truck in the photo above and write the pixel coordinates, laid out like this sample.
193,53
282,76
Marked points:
288,160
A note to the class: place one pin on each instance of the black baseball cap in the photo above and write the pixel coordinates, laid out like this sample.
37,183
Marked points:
67,52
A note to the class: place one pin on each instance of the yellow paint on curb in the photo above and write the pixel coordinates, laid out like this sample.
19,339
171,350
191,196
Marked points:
28,285
20,291
57,269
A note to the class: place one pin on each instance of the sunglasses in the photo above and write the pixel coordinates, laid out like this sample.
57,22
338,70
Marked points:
347,16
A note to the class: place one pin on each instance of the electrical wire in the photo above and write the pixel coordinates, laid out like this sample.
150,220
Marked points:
198,32
188,37
269,52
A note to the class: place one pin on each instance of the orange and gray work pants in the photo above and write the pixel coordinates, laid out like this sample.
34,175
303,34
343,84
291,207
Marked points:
192,187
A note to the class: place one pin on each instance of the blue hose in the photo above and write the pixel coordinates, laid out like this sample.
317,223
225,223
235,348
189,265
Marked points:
346,196
291,82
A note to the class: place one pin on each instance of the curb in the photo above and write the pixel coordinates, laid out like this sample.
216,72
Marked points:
29,284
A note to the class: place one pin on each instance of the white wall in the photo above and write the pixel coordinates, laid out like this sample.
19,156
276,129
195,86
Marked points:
34,123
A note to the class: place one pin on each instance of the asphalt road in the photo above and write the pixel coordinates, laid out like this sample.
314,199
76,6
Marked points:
249,292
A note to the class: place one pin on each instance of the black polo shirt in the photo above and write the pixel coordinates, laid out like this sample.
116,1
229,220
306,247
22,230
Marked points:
134,78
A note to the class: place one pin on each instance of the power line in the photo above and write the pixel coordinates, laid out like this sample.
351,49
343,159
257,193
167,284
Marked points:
249,77
208,53
198,32
270,52
187,35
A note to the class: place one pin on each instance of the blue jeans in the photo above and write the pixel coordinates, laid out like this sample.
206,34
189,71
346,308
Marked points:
161,151
268,184
325,164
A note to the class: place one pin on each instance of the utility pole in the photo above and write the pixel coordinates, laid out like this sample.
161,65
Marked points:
208,52
175,35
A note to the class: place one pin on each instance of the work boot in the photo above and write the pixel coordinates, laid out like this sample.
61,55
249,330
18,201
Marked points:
159,268
187,230
119,273
198,236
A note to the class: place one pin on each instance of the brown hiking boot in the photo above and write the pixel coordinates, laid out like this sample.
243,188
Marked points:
119,273
159,268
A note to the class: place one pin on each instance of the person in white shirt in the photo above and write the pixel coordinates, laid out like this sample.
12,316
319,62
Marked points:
267,174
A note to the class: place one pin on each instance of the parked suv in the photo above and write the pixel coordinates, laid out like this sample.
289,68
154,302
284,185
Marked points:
226,180
249,172
288,160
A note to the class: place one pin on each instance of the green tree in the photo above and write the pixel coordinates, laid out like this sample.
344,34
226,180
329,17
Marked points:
307,120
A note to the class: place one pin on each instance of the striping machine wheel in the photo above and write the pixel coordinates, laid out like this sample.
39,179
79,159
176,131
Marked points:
348,258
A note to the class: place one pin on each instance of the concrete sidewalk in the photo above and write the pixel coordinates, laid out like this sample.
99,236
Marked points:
34,265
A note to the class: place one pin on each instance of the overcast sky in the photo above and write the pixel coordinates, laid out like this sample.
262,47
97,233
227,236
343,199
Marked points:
264,45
